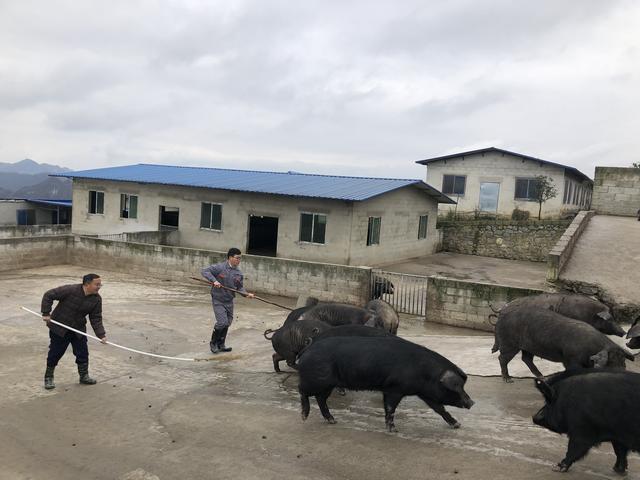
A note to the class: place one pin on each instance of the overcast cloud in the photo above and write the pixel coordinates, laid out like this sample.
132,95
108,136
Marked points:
335,87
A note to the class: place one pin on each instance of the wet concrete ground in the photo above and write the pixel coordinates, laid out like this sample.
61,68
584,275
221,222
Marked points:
233,417
515,273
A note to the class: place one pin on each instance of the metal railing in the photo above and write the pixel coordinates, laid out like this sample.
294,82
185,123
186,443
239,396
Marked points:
406,293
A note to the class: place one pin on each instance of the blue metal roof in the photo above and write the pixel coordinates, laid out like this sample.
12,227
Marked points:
55,203
276,183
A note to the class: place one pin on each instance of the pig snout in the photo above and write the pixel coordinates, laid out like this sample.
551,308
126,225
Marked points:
465,401
540,417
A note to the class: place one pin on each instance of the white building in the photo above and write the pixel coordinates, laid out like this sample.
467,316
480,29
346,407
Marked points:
498,181
322,218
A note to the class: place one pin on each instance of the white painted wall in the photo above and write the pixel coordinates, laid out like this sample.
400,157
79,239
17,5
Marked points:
502,169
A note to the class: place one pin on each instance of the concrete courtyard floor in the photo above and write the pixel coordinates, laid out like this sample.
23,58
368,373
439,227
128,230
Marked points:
515,273
233,417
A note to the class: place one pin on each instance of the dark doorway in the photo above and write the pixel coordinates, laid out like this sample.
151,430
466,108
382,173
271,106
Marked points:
169,217
263,236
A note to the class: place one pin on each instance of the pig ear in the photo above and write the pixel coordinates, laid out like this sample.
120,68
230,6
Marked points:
546,390
600,359
450,380
604,315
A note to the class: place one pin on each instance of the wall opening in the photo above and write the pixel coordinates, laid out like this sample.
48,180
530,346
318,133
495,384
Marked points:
169,218
263,236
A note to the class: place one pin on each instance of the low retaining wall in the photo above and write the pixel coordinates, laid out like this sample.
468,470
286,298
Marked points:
466,304
530,240
561,252
13,231
32,252
279,276
155,237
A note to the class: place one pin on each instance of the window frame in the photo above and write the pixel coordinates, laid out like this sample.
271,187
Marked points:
210,228
125,199
426,226
453,185
96,192
371,230
528,198
314,216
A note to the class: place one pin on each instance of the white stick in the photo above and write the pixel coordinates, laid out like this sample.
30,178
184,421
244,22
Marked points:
115,344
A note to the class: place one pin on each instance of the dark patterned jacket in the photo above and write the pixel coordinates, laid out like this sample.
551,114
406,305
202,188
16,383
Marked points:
72,308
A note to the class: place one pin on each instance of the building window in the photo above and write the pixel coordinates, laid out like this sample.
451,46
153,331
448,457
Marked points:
526,189
26,217
96,202
422,226
211,216
566,192
313,227
575,195
453,184
128,206
373,231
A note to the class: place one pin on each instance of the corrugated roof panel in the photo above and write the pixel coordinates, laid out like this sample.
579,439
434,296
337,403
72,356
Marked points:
277,183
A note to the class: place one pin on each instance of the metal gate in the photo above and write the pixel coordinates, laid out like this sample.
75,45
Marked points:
406,293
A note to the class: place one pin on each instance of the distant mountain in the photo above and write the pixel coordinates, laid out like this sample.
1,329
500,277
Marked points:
30,167
52,188
29,179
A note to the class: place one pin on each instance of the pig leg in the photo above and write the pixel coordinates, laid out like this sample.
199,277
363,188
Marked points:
527,358
304,402
621,457
440,410
505,358
578,448
391,401
292,364
321,398
277,358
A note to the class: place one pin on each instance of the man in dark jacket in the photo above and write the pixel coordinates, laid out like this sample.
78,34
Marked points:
75,302
224,274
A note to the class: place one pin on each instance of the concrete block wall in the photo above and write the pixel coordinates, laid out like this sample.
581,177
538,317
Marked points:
32,252
33,230
561,252
616,191
530,241
292,278
466,304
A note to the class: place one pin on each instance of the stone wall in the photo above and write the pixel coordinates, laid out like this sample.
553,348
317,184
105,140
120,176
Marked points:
279,276
466,304
561,252
33,252
503,239
13,231
616,191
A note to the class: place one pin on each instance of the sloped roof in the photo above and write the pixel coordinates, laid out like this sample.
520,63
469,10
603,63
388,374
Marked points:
469,153
275,183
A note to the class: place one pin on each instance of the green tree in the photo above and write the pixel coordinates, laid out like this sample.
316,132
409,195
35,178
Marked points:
636,164
545,190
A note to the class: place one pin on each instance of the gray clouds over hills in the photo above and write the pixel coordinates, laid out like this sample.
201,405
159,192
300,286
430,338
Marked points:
363,88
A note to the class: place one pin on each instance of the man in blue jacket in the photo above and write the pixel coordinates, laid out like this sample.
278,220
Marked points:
224,274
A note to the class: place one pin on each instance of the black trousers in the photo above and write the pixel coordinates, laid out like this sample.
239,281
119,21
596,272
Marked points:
58,346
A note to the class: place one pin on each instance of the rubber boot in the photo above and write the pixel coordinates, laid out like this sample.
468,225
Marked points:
223,337
215,339
48,378
83,371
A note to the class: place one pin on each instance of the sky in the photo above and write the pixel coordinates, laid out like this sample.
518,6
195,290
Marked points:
361,88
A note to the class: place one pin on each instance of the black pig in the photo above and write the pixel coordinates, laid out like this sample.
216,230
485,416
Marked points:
549,335
592,407
395,367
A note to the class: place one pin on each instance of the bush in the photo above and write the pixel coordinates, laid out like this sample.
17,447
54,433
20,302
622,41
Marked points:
519,215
